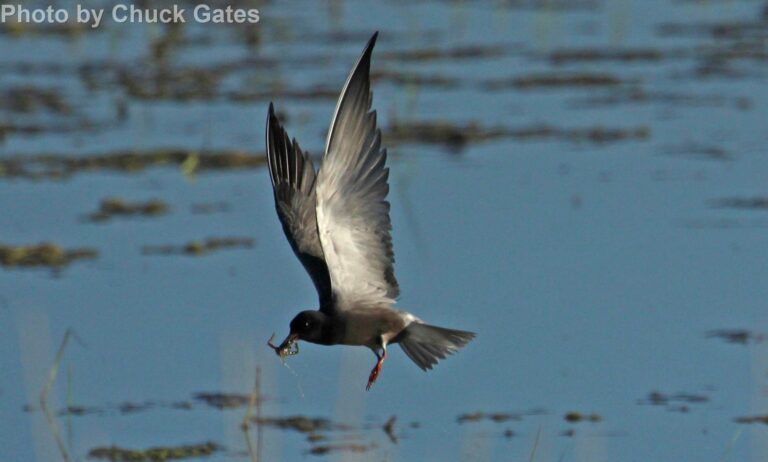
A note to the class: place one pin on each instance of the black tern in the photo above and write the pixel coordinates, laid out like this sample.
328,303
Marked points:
337,222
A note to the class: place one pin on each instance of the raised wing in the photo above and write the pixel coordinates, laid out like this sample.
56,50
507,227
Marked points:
293,181
352,210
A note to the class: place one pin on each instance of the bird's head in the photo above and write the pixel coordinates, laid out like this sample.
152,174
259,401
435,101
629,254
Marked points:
308,326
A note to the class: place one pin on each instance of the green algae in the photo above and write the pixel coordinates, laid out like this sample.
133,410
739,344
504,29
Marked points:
457,136
301,424
763,419
53,166
737,336
574,417
321,450
199,248
154,454
114,207
222,400
45,254
554,81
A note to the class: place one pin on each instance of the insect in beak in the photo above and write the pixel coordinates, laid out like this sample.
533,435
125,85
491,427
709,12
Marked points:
289,347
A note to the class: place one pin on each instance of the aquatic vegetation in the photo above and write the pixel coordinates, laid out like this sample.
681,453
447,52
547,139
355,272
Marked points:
636,95
316,437
596,135
574,417
497,417
410,78
197,248
210,207
218,400
747,203
457,136
178,84
456,53
678,402
736,30
301,424
582,55
154,454
69,29
125,407
223,400
58,166
699,151
322,450
44,254
112,207
315,92
553,5
555,80
441,132
737,336
27,99
48,128
731,46
129,407
763,419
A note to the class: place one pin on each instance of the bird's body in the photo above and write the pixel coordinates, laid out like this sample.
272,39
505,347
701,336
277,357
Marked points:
373,327
337,222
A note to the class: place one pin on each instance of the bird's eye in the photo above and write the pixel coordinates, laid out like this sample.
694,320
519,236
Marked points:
306,324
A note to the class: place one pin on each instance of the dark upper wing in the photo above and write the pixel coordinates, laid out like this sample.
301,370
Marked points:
352,208
293,181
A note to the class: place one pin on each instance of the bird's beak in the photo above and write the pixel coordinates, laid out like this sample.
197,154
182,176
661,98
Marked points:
289,347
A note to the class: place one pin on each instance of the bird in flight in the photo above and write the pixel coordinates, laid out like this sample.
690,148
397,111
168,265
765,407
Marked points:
337,222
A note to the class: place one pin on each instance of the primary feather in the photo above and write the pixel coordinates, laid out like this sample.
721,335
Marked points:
293,182
352,210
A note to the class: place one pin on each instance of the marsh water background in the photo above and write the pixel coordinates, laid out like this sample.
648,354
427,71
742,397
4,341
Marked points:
595,217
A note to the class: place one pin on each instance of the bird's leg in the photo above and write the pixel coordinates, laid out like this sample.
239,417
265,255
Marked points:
377,368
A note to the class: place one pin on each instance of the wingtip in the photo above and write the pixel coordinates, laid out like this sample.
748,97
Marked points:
271,110
371,43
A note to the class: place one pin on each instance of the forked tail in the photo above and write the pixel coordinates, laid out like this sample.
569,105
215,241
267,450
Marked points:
426,344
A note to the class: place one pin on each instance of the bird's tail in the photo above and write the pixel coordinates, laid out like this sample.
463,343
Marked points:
426,344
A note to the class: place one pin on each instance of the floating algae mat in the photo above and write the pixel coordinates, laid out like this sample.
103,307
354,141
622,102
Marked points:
679,402
497,417
223,400
57,166
555,80
582,55
746,203
155,454
28,99
324,449
302,424
200,247
112,207
45,254
456,136
763,419
574,417
737,336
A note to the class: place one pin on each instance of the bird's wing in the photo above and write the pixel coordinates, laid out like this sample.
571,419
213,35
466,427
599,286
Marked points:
293,181
352,210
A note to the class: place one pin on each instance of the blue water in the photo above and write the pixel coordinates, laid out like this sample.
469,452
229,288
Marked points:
591,272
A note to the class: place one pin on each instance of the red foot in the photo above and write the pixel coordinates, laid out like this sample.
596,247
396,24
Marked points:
375,371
